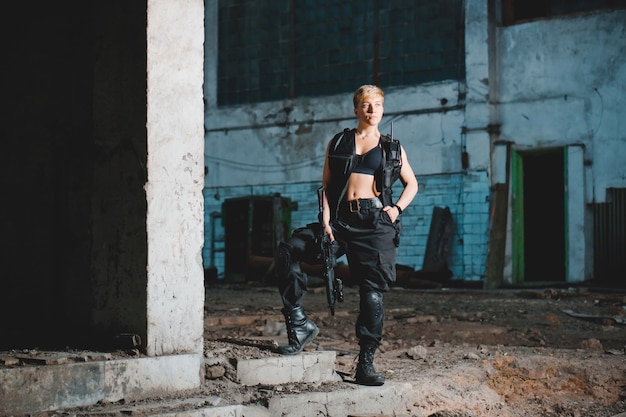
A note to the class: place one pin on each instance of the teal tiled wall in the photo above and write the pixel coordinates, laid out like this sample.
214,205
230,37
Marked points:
466,195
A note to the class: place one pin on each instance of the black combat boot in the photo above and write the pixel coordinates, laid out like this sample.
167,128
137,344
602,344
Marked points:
300,331
365,372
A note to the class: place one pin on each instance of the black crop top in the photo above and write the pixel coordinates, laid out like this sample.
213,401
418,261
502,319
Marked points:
369,162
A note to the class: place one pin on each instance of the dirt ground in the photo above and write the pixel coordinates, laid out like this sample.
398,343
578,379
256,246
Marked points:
543,352
474,353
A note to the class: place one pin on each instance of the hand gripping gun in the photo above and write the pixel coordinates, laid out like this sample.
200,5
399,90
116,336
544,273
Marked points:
334,285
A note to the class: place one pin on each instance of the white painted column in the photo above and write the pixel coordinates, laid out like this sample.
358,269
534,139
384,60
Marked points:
175,132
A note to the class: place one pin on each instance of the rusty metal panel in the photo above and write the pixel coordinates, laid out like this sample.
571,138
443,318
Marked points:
609,237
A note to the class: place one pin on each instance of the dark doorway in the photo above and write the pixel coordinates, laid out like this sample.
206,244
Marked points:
540,244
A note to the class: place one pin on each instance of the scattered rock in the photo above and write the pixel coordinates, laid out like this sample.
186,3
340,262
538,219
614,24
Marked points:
592,344
418,352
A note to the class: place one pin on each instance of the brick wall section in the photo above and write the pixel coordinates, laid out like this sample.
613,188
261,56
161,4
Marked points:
466,195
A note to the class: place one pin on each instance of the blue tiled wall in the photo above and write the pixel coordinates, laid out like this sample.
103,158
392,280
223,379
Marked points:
466,195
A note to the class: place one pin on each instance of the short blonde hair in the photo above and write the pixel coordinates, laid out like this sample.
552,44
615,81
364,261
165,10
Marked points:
364,91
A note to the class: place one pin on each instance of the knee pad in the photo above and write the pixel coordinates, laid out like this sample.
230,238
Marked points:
372,307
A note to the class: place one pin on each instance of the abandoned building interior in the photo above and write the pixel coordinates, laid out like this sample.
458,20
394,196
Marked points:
155,151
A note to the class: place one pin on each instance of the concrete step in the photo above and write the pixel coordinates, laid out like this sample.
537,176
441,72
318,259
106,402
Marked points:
27,389
307,367
391,399
30,389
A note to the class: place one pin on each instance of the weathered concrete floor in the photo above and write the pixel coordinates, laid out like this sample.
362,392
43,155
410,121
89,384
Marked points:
447,353
463,389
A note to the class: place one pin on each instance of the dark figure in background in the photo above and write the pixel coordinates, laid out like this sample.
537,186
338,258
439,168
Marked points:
359,215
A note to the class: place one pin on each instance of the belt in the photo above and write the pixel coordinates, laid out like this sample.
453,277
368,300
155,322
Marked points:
361,204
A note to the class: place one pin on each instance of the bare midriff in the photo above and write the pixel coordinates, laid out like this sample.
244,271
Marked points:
361,186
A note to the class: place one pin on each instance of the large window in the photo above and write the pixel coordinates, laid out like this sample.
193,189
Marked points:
297,48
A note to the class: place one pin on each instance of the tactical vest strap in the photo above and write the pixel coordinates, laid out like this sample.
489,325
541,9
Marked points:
338,138
342,159
391,169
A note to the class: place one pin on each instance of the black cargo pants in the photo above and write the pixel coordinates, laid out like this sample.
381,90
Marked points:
369,240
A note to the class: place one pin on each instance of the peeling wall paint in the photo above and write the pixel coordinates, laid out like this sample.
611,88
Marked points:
550,83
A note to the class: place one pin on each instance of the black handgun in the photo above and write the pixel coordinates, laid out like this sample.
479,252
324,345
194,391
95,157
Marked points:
334,285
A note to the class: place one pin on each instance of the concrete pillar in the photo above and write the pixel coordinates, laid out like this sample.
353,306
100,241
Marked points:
479,80
175,163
